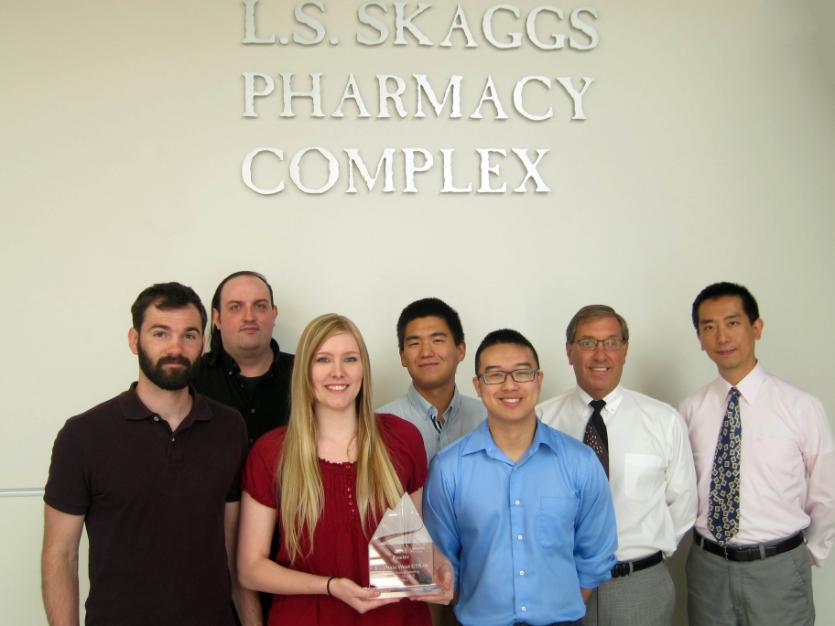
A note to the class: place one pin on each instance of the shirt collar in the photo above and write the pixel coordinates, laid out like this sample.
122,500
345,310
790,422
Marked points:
426,408
612,400
134,409
481,440
748,387
228,363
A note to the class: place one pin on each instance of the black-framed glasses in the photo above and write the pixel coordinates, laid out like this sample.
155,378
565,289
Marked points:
497,377
610,344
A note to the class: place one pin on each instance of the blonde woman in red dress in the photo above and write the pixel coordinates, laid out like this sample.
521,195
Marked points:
326,478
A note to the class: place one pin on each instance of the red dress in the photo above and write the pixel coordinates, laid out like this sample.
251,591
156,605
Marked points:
340,541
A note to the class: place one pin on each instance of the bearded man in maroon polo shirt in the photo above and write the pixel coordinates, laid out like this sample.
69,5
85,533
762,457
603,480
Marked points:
154,475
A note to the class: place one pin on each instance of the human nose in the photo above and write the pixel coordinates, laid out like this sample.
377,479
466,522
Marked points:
721,334
508,382
175,346
337,369
249,313
426,348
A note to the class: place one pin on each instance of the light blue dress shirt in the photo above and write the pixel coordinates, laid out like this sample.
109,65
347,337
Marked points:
462,415
522,537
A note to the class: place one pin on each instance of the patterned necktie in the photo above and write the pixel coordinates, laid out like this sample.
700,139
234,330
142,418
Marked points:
596,436
723,515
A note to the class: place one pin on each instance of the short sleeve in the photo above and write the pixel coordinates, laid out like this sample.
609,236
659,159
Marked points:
406,449
259,475
67,487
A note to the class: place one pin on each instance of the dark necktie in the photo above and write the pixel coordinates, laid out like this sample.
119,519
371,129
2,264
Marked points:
723,515
596,436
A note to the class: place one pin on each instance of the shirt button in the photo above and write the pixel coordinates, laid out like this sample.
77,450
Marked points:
524,608
252,410
520,537
173,439
156,418
517,502
521,572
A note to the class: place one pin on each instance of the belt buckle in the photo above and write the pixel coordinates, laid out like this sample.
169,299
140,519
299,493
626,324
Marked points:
725,552
622,569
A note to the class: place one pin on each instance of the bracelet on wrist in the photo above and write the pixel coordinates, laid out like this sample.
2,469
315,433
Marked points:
328,586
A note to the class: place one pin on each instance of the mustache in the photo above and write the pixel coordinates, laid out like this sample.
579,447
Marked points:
175,360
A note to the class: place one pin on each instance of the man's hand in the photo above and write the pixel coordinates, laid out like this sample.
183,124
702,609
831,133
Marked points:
443,577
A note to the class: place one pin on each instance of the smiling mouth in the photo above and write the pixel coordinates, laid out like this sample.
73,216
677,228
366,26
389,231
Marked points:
510,401
336,387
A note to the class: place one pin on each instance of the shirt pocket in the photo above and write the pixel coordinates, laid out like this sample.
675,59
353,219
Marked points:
643,474
555,521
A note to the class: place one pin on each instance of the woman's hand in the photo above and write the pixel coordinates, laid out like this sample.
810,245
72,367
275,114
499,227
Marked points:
361,599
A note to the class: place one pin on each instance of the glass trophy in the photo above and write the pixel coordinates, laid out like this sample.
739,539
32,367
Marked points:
400,561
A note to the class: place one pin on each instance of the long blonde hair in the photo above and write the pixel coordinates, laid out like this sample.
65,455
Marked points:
301,494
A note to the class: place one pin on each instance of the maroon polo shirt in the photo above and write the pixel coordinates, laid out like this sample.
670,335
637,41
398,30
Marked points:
153,503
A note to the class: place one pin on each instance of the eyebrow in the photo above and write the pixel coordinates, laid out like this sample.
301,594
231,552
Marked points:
166,327
517,365
437,333
326,353
258,301
727,317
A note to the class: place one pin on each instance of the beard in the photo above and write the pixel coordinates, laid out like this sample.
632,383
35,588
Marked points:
168,379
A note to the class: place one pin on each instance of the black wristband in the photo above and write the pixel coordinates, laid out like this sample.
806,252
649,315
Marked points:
328,586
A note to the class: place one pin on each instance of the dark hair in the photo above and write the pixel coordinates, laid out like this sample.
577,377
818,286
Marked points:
216,343
593,311
504,335
719,290
166,296
427,307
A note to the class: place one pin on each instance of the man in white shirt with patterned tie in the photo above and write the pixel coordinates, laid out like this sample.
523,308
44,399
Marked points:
642,444
766,478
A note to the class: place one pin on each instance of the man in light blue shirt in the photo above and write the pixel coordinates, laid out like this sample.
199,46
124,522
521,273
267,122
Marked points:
431,342
522,511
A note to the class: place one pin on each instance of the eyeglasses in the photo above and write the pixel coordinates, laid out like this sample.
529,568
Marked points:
497,377
610,344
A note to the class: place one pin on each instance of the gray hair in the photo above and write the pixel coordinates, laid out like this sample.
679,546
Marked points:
593,311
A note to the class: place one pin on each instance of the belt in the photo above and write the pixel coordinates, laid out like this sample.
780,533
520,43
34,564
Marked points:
748,553
624,568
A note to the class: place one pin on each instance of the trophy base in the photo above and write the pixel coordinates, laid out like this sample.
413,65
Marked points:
405,592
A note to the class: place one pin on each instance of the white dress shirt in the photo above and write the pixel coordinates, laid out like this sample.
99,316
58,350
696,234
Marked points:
461,416
787,475
650,466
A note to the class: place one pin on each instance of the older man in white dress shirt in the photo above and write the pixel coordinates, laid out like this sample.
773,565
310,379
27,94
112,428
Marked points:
643,446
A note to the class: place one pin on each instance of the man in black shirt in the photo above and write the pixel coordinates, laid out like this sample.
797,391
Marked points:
245,368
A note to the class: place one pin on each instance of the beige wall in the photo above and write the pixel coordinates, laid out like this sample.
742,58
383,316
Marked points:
707,154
